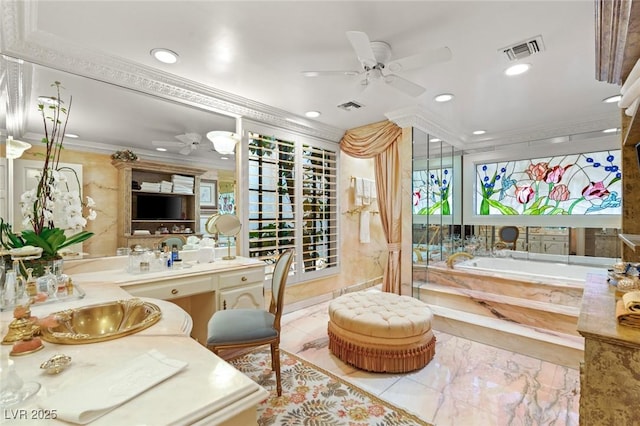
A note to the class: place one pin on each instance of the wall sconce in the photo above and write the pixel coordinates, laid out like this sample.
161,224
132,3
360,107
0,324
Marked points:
223,142
15,148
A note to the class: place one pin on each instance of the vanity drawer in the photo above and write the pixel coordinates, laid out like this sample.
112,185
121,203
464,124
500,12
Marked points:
172,289
241,278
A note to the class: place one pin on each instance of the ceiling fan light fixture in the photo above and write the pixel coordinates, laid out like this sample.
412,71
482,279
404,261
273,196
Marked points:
517,69
15,148
443,97
312,114
223,142
165,56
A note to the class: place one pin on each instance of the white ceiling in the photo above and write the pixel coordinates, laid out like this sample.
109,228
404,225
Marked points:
251,55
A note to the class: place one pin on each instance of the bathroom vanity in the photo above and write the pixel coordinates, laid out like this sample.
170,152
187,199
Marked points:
200,289
208,391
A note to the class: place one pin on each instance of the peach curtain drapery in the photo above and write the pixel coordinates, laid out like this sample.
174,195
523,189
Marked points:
380,141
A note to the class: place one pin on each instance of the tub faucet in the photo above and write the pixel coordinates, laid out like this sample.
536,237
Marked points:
454,256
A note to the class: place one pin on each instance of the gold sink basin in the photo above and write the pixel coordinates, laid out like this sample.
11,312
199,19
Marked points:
97,323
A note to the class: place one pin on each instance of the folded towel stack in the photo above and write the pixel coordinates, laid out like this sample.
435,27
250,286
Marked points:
150,187
182,184
628,309
166,186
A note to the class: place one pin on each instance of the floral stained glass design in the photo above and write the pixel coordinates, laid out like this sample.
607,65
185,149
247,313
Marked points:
576,184
432,191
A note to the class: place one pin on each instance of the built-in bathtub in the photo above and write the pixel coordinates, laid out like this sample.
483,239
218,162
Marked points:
526,306
549,282
527,269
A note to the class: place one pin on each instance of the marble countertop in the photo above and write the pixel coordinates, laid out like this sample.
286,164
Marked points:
207,387
114,270
598,314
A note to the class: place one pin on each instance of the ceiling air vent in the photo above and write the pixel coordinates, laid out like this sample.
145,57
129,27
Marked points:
523,49
350,106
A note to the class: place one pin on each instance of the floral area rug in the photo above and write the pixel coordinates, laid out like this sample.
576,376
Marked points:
313,397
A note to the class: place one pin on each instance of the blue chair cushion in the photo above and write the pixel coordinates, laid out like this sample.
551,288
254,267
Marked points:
240,326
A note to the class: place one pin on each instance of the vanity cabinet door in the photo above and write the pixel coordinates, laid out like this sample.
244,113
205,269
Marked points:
250,296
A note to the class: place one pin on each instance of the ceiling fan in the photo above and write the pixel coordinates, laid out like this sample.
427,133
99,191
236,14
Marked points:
374,57
187,142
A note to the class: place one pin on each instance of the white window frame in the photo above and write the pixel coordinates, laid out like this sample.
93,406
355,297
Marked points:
298,275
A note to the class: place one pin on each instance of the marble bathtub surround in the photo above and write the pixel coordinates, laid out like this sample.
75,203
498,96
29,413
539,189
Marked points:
537,317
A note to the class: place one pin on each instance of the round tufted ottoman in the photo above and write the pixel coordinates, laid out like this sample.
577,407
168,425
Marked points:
381,332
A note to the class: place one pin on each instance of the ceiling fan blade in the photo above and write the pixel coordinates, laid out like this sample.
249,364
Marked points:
420,60
187,150
329,73
404,85
362,46
189,138
168,144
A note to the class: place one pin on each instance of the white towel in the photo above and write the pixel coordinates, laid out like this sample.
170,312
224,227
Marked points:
358,191
631,78
369,191
365,236
630,95
95,397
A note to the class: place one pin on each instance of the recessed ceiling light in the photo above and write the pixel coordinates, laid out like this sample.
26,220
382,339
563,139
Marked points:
224,158
165,55
517,69
435,140
612,130
161,149
312,114
444,97
71,135
479,132
612,99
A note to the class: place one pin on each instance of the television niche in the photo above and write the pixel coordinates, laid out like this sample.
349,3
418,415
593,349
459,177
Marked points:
158,207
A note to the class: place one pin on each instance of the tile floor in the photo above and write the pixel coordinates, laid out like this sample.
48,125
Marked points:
467,383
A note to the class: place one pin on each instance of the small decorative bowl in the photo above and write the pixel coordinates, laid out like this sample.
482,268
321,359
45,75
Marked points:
56,364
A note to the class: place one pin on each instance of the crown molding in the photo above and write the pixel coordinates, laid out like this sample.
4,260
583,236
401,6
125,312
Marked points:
21,42
420,118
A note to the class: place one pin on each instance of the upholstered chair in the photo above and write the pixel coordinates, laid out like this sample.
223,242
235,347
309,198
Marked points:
509,235
241,328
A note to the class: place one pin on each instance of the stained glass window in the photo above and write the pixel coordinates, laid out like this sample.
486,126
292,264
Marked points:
432,192
575,184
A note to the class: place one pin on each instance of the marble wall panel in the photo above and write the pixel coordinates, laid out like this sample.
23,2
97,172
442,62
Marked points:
99,183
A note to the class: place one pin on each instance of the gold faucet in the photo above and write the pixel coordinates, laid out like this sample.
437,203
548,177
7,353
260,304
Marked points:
454,256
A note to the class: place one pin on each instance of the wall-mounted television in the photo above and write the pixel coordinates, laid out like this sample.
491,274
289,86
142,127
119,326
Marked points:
158,207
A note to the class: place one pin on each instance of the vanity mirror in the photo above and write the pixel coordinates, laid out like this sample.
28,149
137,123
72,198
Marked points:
227,225
107,118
